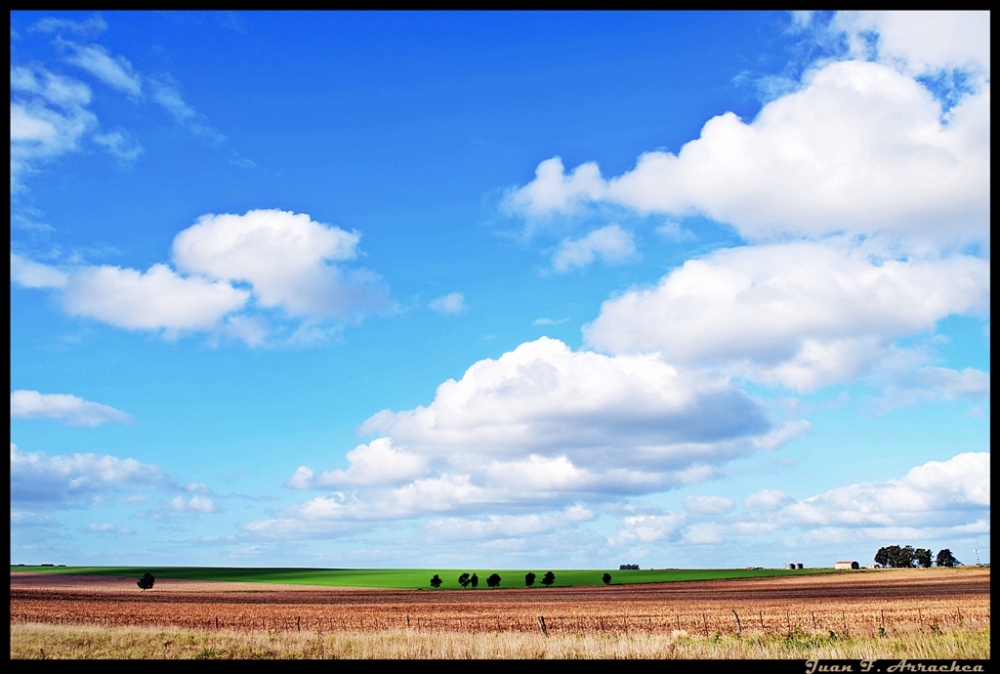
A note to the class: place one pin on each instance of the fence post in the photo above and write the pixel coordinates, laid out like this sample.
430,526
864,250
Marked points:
541,626
739,627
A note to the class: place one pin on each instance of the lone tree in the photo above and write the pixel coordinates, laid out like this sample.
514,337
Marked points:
436,581
548,578
475,581
606,578
529,579
463,580
146,581
945,558
493,580
882,557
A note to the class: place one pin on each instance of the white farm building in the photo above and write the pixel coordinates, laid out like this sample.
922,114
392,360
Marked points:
846,565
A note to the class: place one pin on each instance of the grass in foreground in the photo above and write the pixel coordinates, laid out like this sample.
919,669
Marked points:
414,578
34,641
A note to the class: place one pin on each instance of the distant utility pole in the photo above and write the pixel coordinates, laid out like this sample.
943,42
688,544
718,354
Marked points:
977,557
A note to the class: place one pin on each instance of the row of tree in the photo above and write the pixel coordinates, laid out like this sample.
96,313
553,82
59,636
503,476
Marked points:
465,580
907,557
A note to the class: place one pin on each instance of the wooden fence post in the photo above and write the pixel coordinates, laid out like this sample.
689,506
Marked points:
739,627
541,626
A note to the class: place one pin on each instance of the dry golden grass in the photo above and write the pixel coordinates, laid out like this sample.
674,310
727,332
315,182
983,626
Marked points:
32,641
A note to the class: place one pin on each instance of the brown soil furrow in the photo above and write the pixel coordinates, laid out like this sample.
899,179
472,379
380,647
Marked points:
892,601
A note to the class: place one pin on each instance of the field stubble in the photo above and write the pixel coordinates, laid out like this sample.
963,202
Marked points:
767,616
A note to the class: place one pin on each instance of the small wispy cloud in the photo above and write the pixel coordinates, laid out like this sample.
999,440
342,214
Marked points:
114,71
91,26
610,244
452,303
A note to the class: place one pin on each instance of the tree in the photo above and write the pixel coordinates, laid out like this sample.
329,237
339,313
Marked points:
548,578
463,580
882,557
475,581
606,578
146,581
529,579
945,558
905,559
493,580
436,581
922,556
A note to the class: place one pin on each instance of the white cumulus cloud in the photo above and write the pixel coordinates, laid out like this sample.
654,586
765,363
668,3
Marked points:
861,149
73,410
288,258
708,505
195,504
937,492
65,479
921,42
30,274
649,528
230,270
158,299
612,244
375,463
766,499
542,424
803,314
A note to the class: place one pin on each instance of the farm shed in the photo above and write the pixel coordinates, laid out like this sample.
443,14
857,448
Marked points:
846,565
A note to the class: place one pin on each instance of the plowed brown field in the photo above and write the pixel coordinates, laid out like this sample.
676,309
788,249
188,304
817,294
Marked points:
860,603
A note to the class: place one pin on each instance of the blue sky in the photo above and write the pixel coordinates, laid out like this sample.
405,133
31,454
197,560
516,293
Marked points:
498,289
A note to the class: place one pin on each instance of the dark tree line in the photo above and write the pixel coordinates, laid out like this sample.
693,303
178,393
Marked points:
465,580
906,557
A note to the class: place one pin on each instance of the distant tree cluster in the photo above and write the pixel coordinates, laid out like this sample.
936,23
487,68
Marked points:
628,567
146,581
547,579
906,557
466,579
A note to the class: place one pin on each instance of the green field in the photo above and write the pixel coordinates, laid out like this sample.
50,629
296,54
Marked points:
414,579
